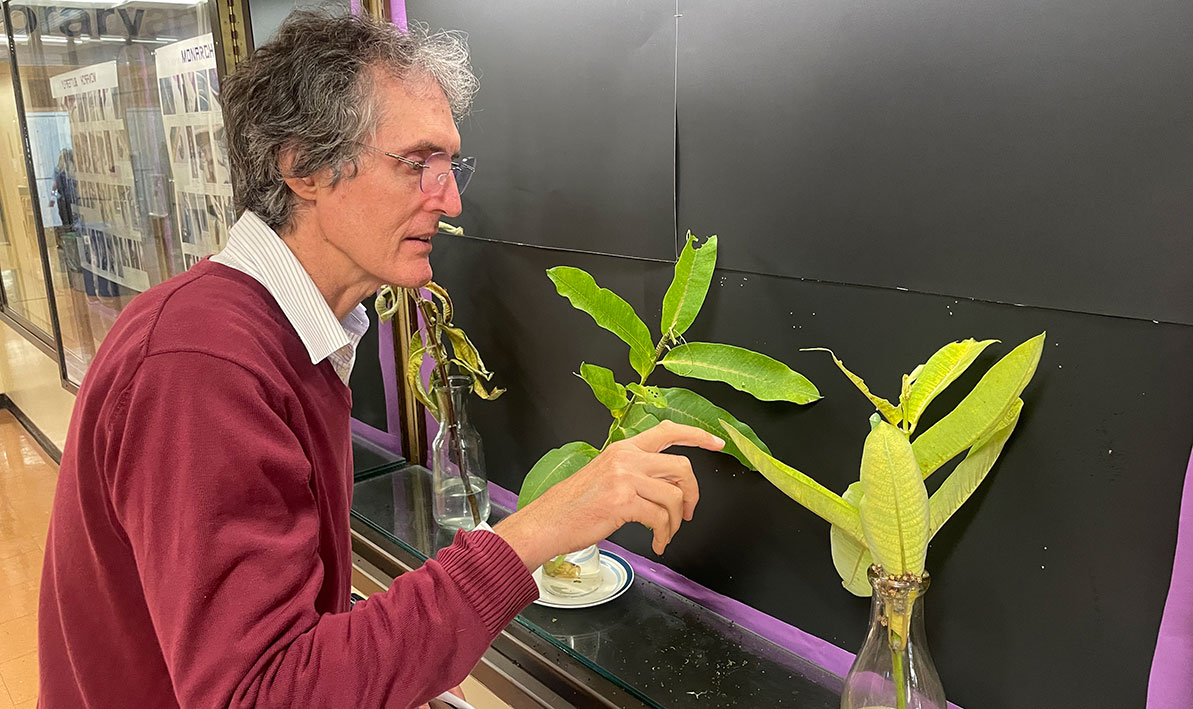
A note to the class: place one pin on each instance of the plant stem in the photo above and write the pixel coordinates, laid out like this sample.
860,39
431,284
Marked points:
900,680
449,410
658,353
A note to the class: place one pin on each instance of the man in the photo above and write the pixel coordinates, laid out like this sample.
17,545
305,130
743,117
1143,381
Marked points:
198,553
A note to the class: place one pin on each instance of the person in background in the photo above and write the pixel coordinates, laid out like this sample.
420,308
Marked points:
64,194
199,551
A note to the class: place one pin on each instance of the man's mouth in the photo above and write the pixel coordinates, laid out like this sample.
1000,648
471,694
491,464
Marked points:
421,237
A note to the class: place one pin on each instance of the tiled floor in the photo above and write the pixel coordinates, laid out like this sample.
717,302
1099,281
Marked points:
27,479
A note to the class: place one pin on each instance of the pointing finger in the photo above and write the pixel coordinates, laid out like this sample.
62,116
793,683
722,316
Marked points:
668,433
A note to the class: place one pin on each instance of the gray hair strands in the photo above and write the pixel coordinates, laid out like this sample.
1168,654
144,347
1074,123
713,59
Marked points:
310,90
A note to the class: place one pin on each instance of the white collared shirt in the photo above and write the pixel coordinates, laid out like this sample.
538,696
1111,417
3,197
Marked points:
256,249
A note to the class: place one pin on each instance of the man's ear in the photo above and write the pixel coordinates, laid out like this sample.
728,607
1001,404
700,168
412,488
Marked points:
305,187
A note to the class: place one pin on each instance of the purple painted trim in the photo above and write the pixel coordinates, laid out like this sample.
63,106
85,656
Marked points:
389,378
1171,681
354,7
376,436
502,498
429,421
397,13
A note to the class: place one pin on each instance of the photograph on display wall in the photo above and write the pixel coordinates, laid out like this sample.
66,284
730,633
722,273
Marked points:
106,217
204,96
213,83
166,91
202,190
222,170
192,154
180,91
206,159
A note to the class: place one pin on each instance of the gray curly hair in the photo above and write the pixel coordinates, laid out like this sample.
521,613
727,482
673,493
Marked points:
310,90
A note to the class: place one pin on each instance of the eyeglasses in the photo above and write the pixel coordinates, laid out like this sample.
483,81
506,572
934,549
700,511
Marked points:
436,168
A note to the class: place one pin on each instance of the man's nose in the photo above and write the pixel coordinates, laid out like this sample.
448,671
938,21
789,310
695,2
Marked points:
448,200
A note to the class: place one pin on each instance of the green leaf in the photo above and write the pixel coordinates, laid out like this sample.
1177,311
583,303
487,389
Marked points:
981,409
894,505
970,473
387,301
463,349
941,369
444,308
556,465
815,497
685,295
915,374
651,396
609,311
479,381
888,410
634,422
851,557
690,408
604,386
756,374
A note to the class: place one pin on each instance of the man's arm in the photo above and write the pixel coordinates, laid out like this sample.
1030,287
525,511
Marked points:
214,492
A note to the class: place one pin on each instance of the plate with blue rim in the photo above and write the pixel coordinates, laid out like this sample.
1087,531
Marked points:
616,579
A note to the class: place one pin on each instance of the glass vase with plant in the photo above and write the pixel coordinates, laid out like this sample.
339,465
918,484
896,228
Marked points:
882,523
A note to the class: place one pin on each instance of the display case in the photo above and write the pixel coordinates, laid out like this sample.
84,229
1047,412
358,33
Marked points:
120,117
649,647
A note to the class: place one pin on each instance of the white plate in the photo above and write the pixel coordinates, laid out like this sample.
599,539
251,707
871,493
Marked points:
616,577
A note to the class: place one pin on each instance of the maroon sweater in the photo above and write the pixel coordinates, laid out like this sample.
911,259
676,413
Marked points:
199,551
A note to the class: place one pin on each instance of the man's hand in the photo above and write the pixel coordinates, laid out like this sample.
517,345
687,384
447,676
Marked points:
630,481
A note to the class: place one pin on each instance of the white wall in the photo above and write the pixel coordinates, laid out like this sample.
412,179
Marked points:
30,378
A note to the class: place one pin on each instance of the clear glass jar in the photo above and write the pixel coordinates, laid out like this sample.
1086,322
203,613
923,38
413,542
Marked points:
894,669
460,488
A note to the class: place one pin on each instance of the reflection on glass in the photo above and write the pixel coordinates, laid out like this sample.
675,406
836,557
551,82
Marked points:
20,262
130,146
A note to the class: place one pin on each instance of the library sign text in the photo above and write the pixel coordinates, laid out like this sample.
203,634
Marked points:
77,21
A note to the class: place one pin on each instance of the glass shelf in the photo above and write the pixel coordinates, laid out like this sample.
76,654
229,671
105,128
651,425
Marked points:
370,460
652,643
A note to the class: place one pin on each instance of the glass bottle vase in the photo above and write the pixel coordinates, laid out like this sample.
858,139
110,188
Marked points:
460,488
894,669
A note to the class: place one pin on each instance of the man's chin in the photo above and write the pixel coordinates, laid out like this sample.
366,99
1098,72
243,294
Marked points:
411,279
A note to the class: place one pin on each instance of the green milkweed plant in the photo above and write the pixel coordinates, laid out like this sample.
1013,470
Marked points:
887,518
636,405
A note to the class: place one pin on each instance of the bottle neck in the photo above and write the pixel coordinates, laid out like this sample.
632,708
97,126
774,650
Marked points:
897,603
454,398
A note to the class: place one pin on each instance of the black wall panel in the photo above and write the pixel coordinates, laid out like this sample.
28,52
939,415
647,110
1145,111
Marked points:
594,168
368,390
1048,586
1000,151
1017,151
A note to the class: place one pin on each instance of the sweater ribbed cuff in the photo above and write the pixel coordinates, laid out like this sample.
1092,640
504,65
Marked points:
491,575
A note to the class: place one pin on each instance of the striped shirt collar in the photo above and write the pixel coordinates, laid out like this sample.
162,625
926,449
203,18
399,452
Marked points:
256,249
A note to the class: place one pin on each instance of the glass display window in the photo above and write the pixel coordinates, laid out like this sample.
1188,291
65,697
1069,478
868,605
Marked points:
122,104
